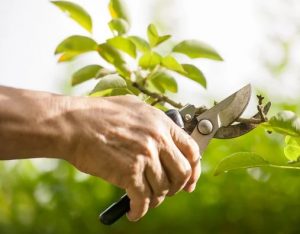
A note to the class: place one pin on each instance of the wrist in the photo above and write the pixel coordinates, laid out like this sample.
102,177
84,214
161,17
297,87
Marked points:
31,124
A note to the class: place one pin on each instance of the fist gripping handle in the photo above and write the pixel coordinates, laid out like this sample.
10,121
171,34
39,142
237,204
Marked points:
121,207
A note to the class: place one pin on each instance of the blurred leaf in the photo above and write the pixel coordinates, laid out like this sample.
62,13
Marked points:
110,54
118,25
171,63
240,160
156,86
292,148
150,100
149,60
123,44
140,43
68,56
197,49
161,107
194,73
285,122
163,81
103,72
162,39
76,12
110,82
111,92
74,46
123,70
85,73
117,9
113,56
153,36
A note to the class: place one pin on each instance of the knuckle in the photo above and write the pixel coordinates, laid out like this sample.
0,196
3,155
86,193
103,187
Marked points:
150,148
135,170
185,173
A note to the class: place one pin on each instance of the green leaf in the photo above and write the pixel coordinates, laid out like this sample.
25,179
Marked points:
76,12
120,91
117,9
154,37
286,123
197,49
171,63
110,82
162,39
113,56
123,44
140,43
150,100
292,148
68,56
110,54
74,46
111,92
240,160
194,74
118,25
103,72
149,60
163,81
156,87
85,73
123,70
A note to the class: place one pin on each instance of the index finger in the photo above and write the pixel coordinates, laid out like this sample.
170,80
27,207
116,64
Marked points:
191,151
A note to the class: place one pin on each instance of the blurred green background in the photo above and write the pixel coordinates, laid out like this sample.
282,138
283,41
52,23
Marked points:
59,199
50,196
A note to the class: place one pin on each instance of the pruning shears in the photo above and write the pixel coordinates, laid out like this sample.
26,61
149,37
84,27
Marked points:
202,125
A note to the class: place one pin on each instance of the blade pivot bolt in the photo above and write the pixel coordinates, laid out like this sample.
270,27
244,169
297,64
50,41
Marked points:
205,127
187,117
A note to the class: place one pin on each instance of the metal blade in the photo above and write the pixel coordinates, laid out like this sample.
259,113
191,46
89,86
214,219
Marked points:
222,114
230,108
240,129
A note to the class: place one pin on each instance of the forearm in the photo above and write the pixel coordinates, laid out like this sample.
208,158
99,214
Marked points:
28,126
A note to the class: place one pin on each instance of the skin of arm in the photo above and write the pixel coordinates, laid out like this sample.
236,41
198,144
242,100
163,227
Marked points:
119,139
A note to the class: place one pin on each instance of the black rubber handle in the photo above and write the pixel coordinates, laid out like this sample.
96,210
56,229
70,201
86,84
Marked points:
121,207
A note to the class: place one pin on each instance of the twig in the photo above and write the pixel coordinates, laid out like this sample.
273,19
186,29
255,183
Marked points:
155,102
260,117
162,98
249,121
157,96
260,108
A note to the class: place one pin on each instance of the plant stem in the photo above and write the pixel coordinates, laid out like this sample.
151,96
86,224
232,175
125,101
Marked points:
249,121
260,108
162,98
157,96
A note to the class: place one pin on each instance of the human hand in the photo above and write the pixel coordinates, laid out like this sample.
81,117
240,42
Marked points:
134,146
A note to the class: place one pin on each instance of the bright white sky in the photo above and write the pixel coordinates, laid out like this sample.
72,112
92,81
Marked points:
239,30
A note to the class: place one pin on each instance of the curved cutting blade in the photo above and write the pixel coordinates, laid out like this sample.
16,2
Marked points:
230,108
222,114
240,129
